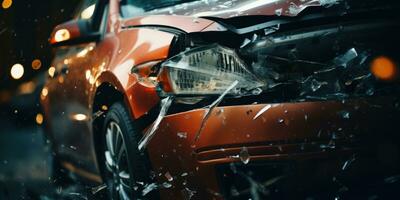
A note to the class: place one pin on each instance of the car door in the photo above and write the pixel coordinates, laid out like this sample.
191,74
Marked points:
70,85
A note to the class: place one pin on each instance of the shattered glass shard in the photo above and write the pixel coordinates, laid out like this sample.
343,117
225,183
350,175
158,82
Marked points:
328,3
278,12
263,110
246,41
148,188
345,114
166,185
256,91
165,104
348,162
272,29
344,59
254,38
315,85
187,194
98,188
370,92
208,110
97,114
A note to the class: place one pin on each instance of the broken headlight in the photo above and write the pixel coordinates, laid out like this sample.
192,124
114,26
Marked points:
207,70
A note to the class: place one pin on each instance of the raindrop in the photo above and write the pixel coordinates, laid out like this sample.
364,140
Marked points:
196,20
182,135
345,115
220,111
370,92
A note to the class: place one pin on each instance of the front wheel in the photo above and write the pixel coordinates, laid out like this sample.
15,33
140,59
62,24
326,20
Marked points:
126,169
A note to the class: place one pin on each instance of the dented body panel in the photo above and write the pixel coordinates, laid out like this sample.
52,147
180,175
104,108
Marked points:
300,116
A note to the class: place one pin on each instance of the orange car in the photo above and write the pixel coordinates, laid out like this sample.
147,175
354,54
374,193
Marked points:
218,99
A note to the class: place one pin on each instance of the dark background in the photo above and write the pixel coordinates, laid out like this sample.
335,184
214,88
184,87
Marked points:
24,31
24,158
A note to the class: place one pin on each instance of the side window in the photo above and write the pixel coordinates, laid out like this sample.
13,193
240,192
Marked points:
95,11
130,9
85,9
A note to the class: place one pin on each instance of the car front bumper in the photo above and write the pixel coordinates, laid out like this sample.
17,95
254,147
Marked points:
298,132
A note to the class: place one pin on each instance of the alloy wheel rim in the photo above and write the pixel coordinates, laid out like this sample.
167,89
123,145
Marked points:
116,160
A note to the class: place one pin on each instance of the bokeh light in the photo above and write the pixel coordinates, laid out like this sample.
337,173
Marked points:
45,92
79,117
39,118
36,64
17,71
383,68
62,35
51,71
6,4
88,12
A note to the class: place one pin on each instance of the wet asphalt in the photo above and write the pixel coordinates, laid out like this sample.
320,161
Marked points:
24,162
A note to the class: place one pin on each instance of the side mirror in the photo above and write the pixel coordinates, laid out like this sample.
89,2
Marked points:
73,32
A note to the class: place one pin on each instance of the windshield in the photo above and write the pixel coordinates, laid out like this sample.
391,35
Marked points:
131,8
235,8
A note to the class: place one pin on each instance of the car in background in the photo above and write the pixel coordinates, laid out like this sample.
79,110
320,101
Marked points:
218,99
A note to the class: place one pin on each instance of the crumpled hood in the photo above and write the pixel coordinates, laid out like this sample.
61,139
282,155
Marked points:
235,8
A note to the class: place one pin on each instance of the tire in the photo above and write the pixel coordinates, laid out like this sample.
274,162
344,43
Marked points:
126,169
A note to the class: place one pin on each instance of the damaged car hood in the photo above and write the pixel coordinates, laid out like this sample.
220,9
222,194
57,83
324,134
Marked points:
236,8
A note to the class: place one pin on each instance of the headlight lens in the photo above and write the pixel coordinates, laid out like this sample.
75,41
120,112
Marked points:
206,70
